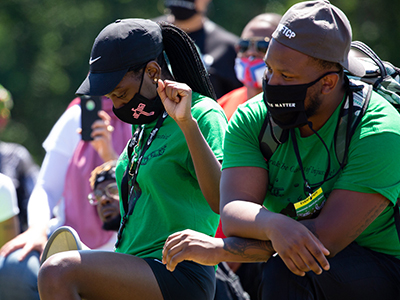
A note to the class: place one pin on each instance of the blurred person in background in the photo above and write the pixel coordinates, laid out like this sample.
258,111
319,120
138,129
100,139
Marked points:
216,44
105,195
9,228
60,196
9,224
249,64
16,162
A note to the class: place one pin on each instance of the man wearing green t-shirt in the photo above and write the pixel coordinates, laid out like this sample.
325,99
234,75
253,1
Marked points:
325,228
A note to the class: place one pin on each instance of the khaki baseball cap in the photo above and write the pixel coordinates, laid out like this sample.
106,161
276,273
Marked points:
320,30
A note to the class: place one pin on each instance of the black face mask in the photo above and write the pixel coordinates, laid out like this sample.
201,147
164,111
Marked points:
140,110
286,102
182,10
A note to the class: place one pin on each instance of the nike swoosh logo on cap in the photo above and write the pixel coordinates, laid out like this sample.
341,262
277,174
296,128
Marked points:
91,61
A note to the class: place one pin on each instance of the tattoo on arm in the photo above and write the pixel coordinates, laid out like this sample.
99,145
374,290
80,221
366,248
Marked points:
249,249
369,218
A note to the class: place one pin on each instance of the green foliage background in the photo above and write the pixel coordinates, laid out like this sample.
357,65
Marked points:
45,47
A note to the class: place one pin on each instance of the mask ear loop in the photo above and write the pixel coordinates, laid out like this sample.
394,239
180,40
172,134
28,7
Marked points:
328,168
272,129
307,189
347,141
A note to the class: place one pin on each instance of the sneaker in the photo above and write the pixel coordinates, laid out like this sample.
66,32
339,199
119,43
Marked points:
64,238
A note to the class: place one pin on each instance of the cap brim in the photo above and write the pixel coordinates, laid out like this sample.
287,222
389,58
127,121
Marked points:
100,84
64,238
355,66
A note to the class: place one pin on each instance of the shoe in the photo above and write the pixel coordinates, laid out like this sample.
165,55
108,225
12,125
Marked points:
64,238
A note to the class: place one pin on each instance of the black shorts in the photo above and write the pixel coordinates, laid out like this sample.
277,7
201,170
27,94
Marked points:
356,273
189,280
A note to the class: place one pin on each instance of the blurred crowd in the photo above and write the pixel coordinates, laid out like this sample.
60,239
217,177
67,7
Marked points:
181,99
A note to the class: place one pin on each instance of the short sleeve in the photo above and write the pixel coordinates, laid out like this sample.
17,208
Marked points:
241,145
212,122
373,166
213,129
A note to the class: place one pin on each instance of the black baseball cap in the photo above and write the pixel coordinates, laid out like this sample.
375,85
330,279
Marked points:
320,30
119,46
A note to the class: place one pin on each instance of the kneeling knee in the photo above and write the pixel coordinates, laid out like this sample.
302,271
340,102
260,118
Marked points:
278,282
56,270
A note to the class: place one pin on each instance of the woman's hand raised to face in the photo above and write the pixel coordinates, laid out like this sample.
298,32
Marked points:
177,99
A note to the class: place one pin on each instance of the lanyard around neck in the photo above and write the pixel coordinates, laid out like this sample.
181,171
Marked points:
308,188
132,169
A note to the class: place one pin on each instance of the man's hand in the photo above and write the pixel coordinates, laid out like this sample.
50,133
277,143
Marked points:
299,249
34,238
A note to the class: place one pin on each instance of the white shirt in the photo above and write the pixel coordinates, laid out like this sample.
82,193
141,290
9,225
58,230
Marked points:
60,146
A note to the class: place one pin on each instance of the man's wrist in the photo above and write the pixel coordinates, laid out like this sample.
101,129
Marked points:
246,250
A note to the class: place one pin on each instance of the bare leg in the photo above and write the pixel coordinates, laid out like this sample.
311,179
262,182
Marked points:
97,275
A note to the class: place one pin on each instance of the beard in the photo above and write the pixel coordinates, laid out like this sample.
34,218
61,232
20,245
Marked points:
315,104
113,224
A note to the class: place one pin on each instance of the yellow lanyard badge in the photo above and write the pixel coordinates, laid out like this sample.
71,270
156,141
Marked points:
309,206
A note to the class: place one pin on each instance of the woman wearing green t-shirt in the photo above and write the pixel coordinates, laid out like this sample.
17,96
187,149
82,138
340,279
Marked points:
168,174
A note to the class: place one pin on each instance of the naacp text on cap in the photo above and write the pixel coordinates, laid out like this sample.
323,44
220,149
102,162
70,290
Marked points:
286,31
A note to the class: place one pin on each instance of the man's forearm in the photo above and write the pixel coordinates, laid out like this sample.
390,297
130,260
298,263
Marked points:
237,249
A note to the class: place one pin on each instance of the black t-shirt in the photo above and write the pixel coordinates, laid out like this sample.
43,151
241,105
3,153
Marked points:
218,50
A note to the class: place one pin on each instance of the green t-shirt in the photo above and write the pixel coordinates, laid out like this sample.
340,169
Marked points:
170,198
373,163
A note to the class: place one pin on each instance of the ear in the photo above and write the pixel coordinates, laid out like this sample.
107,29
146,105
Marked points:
329,83
153,70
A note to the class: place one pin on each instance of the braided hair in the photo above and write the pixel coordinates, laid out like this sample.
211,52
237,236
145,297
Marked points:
186,64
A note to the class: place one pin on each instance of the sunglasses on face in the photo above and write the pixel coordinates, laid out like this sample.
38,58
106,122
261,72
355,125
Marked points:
110,191
261,45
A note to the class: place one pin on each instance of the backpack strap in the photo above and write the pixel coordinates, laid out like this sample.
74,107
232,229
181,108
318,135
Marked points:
352,111
267,137
384,76
376,59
